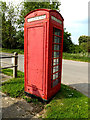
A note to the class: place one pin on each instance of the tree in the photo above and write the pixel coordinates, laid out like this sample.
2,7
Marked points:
8,28
11,35
20,39
68,45
4,34
26,7
84,43
84,47
83,38
77,49
10,22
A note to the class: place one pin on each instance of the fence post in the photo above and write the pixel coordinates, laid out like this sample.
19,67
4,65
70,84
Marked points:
15,64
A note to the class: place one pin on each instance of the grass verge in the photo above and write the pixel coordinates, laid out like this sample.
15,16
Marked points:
15,86
76,57
19,51
67,103
9,72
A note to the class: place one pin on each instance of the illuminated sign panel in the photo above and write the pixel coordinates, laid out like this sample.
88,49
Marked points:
36,18
57,20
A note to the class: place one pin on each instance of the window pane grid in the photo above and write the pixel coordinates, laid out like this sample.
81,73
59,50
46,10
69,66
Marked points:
57,32
56,51
56,56
55,76
56,47
55,65
56,61
55,83
57,39
56,43
55,72
56,79
55,69
57,35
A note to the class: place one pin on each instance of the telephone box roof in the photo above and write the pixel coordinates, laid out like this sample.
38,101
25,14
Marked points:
48,10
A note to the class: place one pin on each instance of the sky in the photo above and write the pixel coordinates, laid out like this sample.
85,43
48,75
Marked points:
75,14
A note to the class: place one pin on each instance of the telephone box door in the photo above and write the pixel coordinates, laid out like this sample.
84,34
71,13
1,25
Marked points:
35,56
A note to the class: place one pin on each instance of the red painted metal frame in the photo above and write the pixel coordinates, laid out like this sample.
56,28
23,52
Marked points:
48,24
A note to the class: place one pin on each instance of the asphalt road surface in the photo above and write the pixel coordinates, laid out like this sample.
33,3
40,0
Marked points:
74,73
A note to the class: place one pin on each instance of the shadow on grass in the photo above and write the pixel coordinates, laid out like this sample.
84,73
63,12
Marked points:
64,93
67,92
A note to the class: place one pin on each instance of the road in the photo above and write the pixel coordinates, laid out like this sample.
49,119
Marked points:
74,73
8,61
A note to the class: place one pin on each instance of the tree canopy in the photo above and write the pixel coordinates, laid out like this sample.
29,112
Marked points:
26,7
8,28
67,42
84,43
13,26
84,39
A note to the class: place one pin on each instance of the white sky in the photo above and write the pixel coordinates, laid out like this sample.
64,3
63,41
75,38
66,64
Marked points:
75,14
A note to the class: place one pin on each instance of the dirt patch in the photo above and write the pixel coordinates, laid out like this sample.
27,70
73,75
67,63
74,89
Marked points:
19,108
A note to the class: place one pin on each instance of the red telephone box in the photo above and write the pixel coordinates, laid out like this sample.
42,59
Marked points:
43,46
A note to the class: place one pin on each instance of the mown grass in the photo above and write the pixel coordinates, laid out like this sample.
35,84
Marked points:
67,103
9,72
76,57
19,51
15,86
